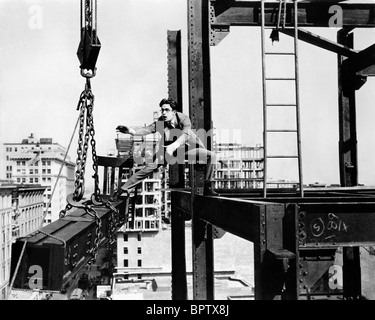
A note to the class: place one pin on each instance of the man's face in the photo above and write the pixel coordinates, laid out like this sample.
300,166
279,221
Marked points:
167,113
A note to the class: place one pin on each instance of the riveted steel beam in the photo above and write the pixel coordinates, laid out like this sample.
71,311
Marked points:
310,14
176,174
62,247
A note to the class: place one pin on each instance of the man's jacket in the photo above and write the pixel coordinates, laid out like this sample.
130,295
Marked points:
182,132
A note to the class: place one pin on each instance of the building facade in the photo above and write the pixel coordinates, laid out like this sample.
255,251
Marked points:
21,213
41,162
238,166
6,212
28,204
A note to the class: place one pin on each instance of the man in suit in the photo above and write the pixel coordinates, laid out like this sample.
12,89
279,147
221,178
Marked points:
177,140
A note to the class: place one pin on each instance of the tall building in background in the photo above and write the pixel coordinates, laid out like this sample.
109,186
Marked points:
21,213
6,212
40,162
238,166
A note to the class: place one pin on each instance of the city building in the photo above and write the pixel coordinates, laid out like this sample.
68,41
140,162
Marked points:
28,205
145,269
41,162
21,213
6,212
238,166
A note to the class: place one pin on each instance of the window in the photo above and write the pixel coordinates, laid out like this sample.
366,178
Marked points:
126,263
139,277
31,180
139,263
126,250
125,237
139,237
139,250
48,170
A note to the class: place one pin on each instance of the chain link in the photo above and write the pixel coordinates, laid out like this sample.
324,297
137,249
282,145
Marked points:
98,233
86,130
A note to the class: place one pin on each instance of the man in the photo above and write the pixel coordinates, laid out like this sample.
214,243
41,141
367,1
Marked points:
177,139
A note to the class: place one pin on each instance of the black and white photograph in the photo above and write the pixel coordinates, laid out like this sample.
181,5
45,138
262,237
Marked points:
188,155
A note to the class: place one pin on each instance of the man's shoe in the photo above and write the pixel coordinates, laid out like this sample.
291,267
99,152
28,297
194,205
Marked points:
209,192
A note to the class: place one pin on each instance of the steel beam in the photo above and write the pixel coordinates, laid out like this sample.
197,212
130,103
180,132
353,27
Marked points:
62,247
348,163
176,175
337,224
274,234
200,114
310,14
321,42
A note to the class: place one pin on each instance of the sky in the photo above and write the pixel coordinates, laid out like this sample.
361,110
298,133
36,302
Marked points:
40,81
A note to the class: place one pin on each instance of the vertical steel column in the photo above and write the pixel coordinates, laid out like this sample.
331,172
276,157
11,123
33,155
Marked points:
298,117
176,171
260,247
176,174
276,253
200,113
348,164
264,87
291,242
347,121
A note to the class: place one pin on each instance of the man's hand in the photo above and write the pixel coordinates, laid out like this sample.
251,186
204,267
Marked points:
125,129
172,148
122,129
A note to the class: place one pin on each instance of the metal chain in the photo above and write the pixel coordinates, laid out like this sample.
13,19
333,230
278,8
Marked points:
91,130
85,105
62,213
98,234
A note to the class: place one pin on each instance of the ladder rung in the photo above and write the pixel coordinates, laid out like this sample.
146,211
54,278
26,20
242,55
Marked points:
281,130
280,105
280,78
283,157
281,53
